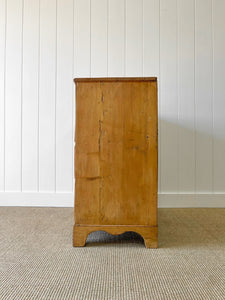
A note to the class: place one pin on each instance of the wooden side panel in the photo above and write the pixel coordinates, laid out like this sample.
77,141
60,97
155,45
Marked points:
87,171
116,153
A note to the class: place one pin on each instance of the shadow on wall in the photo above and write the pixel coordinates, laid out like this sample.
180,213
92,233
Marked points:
191,160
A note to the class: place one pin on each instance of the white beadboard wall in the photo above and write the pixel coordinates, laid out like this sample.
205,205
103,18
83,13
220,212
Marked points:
44,44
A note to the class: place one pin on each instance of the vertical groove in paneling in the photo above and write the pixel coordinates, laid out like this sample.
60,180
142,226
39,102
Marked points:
169,97
13,97
116,38
5,87
73,98
75,36
150,25
56,76
140,22
186,149
38,97
143,42
90,39
107,37
133,38
140,36
55,92
3,12
159,109
99,38
64,83
125,36
160,103
203,78
219,95
195,135
82,38
21,96
47,95
178,94
213,99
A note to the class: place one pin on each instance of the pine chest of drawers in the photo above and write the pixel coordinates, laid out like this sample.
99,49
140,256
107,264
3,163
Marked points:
116,157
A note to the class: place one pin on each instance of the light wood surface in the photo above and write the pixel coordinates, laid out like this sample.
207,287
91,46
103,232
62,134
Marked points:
115,79
116,157
149,233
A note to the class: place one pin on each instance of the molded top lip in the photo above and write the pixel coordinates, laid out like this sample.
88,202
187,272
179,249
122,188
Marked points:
99,79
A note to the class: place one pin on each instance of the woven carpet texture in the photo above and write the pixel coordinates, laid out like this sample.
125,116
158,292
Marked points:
37,260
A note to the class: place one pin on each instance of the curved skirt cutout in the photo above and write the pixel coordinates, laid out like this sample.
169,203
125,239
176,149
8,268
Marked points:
149,233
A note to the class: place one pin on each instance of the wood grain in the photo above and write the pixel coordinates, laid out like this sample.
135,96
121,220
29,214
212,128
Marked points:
116,153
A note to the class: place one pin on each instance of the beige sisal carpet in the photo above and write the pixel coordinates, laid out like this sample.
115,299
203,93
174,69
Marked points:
37,260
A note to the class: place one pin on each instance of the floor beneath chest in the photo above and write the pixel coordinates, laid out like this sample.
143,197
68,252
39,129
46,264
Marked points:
37,260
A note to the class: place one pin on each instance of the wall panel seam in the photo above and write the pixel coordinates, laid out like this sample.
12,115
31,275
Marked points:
38,97
178,92
4,139
90,39
21,95
160,102
213,97
107,40
142,37
73,98
125,39
56,77
195,136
